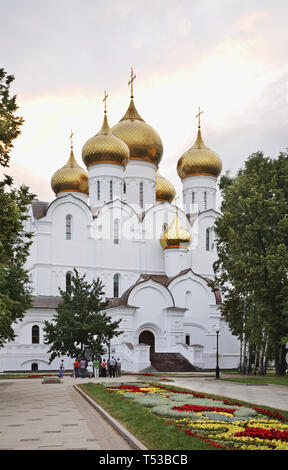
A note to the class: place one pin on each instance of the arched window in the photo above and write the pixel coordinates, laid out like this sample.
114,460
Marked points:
68,282
116,281
208,239
116,232
141,200
205,199
34,366
68,227
35,334
111,190
98,190
124,187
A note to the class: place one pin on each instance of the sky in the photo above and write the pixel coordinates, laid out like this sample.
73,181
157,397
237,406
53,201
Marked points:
226,56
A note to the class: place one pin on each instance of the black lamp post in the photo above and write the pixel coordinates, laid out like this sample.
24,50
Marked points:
217,329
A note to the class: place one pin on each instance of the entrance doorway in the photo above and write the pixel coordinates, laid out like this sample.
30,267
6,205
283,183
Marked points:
147,337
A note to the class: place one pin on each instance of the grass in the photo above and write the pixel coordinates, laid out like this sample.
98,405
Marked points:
154,432
259,380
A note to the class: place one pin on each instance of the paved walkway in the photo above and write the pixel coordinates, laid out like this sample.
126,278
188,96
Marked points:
55,416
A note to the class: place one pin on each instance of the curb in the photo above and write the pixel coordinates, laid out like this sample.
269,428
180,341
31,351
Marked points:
137,445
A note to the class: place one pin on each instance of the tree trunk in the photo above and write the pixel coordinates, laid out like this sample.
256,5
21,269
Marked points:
280,361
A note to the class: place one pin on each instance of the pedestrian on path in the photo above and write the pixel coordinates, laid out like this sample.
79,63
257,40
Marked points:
112,367
61,369
76,368
103,368
96,368
118,367
90,369
82,367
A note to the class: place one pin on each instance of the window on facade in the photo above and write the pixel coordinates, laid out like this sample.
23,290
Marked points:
34,366
187,340
124,188
193,197
98,190
141,200
207,239
68,227
116,280
68,282
35,334
205,199
111,190
116,231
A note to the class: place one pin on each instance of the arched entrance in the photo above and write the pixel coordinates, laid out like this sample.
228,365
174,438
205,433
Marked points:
147,337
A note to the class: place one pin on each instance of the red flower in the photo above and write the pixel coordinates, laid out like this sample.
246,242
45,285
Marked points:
198,408
264,434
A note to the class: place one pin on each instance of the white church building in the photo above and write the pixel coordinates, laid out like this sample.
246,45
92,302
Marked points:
118,220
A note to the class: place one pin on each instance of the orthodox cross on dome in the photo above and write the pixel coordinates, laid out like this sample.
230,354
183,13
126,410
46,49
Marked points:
198,116
71,136
104,100
132,78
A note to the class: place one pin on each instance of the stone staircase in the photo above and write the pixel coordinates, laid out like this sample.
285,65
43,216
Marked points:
171,362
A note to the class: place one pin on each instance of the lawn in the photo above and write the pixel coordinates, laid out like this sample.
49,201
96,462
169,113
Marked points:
165,417
259,380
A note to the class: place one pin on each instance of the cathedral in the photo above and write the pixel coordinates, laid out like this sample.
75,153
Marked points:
116,218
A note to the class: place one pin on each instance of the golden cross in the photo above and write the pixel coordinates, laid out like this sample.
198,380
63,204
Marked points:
198,116
132,78
104,99
71,135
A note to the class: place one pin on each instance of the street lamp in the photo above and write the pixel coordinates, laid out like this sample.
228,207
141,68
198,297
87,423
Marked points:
217,329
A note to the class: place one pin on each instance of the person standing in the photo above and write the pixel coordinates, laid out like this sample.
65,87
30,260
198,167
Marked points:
76,368
96,368
90,369
118,370
82,367
112,367
61,369
104,368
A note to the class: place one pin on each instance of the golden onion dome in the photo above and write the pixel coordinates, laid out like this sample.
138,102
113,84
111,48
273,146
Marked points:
105,147
165,190
70,178
199,160
143,141
175,236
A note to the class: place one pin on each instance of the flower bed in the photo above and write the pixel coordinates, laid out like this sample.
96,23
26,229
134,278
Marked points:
225,424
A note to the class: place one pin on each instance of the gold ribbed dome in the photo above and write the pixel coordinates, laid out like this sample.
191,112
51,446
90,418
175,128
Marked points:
143,141
165,190
175,236
105,147
70,178
199,160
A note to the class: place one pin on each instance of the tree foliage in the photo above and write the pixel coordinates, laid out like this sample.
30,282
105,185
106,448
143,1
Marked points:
252,245
15,292
9,123
80,321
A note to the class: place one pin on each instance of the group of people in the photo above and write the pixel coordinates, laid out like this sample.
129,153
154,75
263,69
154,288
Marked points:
96,368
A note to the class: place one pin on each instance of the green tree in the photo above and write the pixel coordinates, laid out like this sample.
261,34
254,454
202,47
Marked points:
9,123
252,246
15,241
80,321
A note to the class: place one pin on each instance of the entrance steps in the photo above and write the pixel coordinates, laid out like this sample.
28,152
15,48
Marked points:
171,362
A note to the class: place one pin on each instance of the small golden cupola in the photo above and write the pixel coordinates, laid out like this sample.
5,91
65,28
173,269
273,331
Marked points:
165,190
199,159
143,141
175,236
71,177
105,147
